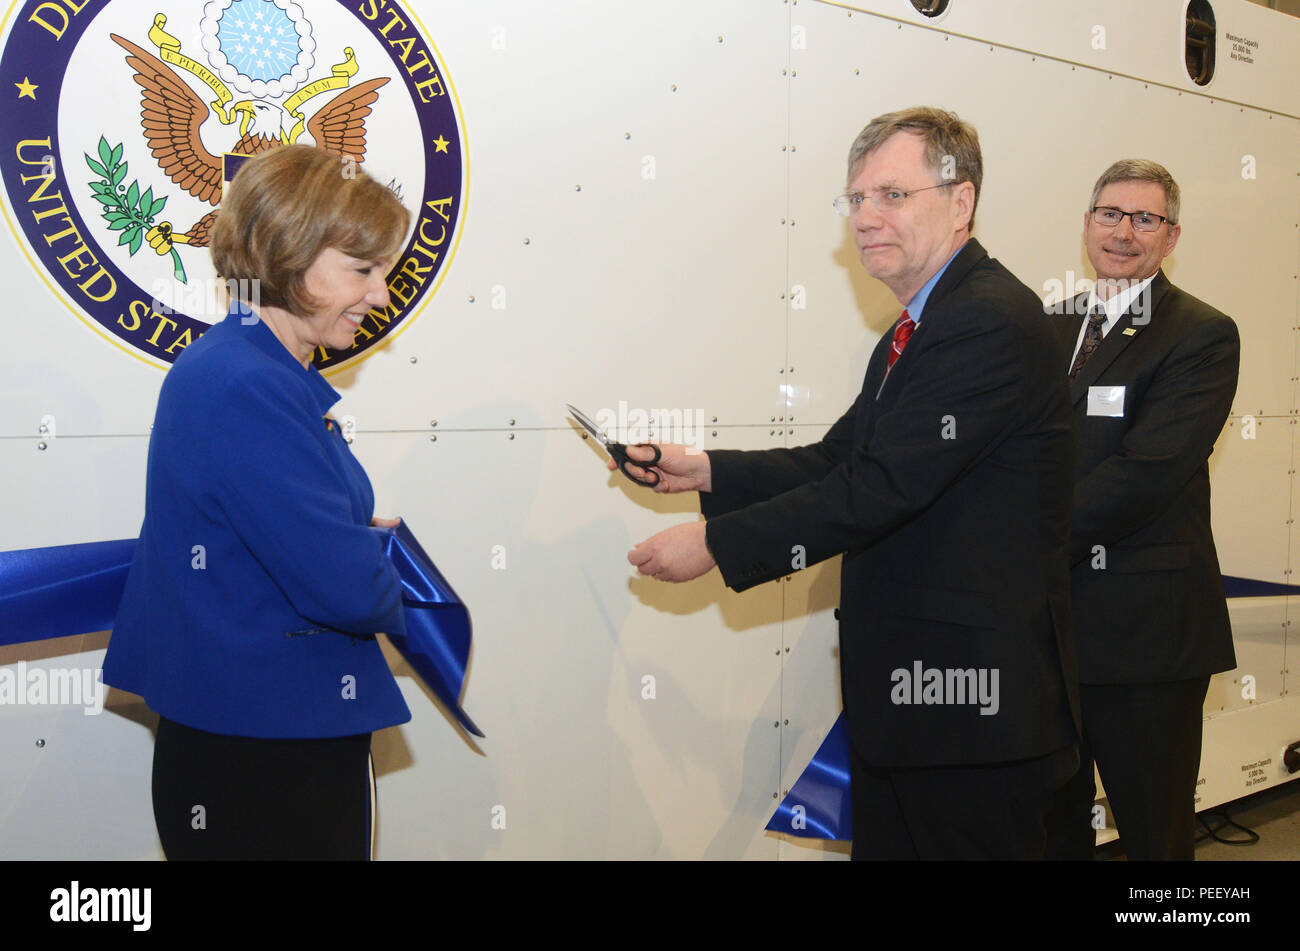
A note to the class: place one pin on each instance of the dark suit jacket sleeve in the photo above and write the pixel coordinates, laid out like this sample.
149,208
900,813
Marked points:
1173,430
968,386
742,478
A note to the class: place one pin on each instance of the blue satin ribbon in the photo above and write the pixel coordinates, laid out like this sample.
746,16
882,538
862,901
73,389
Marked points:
69,589
437,639
75,589
1236,587
818,805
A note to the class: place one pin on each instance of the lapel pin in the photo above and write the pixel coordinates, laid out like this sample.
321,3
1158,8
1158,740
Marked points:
1129,331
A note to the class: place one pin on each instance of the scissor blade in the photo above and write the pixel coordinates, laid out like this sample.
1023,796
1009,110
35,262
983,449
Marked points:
587,424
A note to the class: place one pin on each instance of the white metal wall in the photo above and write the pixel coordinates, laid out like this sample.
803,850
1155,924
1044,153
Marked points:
724,284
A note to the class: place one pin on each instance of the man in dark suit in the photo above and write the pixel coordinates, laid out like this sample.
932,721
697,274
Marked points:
946,487
1152,375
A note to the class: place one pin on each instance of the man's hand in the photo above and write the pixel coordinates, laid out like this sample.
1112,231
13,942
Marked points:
675,554
385,522
680,468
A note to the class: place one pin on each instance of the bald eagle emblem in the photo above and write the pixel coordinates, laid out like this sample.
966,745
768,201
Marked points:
264,51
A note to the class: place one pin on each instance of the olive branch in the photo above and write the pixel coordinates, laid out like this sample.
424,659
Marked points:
126,209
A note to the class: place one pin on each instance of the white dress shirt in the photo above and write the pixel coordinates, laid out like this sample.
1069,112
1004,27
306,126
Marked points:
1114,308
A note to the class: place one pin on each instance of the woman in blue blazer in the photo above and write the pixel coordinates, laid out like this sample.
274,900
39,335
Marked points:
249,617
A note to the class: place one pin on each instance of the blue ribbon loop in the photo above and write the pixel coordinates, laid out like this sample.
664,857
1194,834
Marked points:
818,805
75,589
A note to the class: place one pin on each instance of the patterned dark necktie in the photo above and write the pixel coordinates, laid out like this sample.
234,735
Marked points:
1091,339
902,334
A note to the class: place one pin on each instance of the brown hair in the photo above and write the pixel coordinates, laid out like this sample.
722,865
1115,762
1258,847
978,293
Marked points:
945,135
285,207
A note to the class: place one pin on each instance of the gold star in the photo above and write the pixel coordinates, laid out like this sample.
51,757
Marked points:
26,88
440,144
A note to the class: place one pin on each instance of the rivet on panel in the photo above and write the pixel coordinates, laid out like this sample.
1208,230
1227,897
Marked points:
41,445
415,359
40,744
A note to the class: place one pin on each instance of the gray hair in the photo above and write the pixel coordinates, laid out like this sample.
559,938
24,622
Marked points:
1141,170
948,142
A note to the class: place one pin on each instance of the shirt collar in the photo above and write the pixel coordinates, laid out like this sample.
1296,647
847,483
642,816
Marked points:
1118,303
916,305
245,322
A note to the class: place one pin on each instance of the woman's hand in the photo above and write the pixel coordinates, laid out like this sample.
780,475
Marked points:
386,522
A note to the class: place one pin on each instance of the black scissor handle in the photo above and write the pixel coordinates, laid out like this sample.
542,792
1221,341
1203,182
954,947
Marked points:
619,451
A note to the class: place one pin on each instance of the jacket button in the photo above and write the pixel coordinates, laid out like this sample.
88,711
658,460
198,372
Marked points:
837,614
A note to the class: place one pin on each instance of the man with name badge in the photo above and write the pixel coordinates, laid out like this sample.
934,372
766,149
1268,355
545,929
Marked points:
946,487
1152,375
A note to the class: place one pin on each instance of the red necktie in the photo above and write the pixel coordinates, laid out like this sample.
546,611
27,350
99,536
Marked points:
902,334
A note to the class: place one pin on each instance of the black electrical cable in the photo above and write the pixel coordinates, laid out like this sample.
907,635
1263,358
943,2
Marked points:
1212,832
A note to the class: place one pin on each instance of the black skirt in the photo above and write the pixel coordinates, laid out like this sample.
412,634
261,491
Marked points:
239,797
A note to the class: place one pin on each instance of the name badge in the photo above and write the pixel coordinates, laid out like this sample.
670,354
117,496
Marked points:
1105,401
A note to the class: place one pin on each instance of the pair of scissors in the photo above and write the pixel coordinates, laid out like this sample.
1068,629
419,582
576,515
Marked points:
619,451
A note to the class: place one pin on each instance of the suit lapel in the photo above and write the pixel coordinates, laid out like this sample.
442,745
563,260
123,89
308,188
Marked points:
971,253
1070,322
1125,331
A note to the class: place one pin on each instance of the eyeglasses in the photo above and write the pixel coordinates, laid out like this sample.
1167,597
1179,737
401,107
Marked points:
885,199
1109,217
